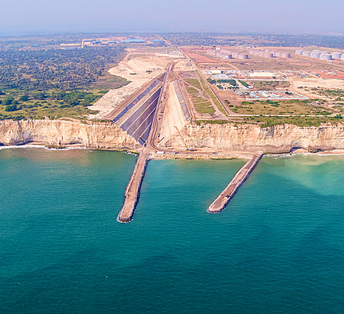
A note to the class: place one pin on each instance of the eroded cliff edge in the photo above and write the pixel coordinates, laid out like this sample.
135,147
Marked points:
252,138
65,133
226,137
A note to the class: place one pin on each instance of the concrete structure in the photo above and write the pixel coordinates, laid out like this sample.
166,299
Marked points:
136,118
181,101
220,203
145,110
132,191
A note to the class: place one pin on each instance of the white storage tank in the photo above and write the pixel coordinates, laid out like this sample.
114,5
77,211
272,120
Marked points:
285,55
243,56
326,56
315,54
336,55
306,53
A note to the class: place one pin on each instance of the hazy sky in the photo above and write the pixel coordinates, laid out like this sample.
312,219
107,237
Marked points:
291,16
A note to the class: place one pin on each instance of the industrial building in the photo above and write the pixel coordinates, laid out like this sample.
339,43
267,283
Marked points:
269,53
227,54
320,54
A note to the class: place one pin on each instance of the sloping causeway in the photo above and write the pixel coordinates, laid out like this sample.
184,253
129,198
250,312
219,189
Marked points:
137,117
138,122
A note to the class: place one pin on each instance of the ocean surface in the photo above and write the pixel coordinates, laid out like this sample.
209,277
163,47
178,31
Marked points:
277,248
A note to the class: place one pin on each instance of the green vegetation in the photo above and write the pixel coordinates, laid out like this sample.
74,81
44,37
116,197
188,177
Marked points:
331,93
270,85
232,82
299,121
283,107
194,83
192,91
243,83
53,104
203,106
55,83
56,68
198,122
212,95
264,122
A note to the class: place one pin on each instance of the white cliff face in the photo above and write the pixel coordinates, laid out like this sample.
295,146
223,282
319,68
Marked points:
226,137
63,133
277,139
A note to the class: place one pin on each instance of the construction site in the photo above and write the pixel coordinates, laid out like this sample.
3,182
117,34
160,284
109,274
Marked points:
175,90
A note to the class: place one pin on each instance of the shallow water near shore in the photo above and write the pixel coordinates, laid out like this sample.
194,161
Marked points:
277,248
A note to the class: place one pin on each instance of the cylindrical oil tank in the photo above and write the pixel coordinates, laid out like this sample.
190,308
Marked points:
342,57
336,55
229,57
326,57
315,54
285,55
269,55
278,53
243,56
306,53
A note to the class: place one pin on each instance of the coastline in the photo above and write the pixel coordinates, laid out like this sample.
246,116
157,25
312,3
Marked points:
182,156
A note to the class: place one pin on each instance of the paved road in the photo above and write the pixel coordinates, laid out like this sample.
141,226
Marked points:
156,124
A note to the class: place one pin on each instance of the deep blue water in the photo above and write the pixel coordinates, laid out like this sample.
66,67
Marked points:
277,248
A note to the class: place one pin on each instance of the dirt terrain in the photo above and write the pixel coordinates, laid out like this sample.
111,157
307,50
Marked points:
297,82
197,57
138,68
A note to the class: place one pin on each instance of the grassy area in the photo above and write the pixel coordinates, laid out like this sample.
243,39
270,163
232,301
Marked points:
337,94
202,105
193,92
264,122
198,122
299,121
302,107
54,104
269,85
212,95
194,83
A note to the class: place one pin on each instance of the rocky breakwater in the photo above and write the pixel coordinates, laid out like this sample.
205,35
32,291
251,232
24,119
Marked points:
252,138
57,133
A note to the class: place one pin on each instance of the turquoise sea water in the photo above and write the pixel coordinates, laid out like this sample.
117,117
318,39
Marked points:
277,248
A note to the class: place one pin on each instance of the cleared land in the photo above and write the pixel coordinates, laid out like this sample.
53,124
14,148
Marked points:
293,107
138,68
